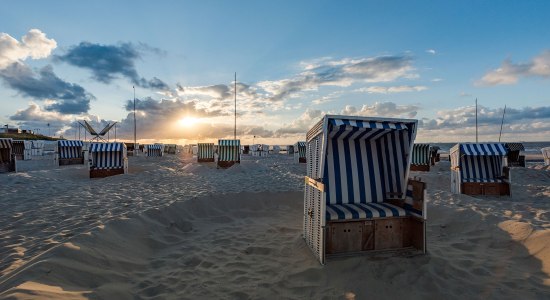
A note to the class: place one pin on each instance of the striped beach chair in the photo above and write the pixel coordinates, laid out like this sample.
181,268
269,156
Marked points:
546,155
357,195
479,169
108,159
421,157
70,152
7,163
229,153
205,152
300,152
155,150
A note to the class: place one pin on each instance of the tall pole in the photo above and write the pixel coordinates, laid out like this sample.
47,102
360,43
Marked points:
501,123
135,136
476,120
235,132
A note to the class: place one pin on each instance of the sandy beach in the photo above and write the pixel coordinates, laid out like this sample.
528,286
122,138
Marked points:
176,229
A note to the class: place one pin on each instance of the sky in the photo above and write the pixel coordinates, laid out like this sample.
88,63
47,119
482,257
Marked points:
62,62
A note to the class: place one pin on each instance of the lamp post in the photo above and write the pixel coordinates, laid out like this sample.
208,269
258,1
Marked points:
135,135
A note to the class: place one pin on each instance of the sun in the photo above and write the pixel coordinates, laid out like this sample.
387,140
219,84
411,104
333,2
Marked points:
188,121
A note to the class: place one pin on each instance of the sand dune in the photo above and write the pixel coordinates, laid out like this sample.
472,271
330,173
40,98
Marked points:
245,242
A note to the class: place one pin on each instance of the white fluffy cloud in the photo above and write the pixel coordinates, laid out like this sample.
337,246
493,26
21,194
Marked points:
391,89
34,44
382,109
510,73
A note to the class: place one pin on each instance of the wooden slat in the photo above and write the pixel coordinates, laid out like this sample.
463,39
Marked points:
314,183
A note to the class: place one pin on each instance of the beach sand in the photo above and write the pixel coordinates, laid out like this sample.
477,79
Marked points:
174,229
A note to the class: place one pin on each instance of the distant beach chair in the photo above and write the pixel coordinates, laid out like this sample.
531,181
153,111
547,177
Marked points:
18,149
205,152
7,159
479,169
513,154
435,156
229,153
300,152
245,149
276,149
260,150
421,157
155,150
132,149
290,149
108,159
170,148
70,152
546,155
357,195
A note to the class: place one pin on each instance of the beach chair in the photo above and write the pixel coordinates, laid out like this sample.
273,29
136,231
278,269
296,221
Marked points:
18,150
155,150
276,149
421,157
435,156
290,150
479,169
246,149
513,154
300,152
546,155
357,196
7,159
108,159
205,152
70,152
229,153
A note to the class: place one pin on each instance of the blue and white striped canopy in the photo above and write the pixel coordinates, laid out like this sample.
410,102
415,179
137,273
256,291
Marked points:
107,147
5,143
367,124
229,142
480,149
64,143
154,147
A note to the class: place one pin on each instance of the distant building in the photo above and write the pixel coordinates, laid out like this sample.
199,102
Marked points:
10,130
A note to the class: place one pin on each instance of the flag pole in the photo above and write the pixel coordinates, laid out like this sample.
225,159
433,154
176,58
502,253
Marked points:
235,129
135,136
476,121
502,123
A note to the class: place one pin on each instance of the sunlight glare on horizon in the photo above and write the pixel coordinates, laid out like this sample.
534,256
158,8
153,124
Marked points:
188,121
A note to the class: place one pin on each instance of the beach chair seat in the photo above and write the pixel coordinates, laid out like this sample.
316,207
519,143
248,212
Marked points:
360,211
483,180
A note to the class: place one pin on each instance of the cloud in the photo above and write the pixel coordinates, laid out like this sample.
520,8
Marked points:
510,73
109,61
340,73
61,96
34,44
527,123
379,109
431,51
302,124
391,89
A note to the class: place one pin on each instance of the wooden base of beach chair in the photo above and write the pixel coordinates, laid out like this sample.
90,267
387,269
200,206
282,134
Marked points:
302,160
7,167
205,160
227,164
100,173
71,161
423,168
375,235
486,189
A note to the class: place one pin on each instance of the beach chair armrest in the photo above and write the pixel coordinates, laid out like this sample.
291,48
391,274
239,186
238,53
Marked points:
315,183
